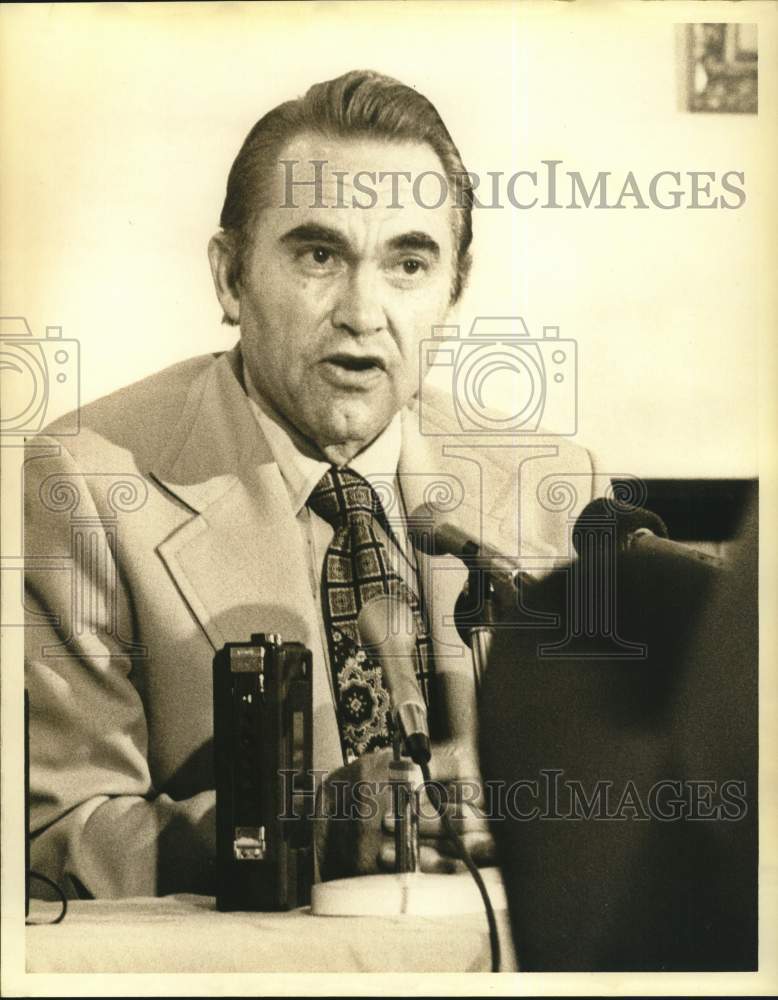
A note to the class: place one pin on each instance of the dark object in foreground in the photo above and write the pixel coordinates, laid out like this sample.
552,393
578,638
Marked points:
636,847
263,742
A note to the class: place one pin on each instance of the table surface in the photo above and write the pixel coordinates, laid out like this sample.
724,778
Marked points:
186,933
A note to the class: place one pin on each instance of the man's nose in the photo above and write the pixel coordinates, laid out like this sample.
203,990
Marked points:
359,308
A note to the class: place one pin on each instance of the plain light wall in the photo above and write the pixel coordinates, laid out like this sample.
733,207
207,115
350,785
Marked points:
120,123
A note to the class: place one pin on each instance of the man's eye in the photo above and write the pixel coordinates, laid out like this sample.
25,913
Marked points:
412,266
317,258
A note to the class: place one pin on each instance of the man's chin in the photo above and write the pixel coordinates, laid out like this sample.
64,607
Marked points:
353,429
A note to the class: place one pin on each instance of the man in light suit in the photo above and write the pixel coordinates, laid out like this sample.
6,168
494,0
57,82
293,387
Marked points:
176,520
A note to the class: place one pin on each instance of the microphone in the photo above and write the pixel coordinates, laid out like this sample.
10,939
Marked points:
637,530
380,624
446,539
492,575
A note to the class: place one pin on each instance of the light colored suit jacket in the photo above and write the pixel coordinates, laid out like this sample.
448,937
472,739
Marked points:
163,530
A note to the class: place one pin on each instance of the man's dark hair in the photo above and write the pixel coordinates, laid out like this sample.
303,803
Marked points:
360,103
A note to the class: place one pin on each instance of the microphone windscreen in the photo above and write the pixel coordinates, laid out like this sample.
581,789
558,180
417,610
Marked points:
626,517
386,626
434,535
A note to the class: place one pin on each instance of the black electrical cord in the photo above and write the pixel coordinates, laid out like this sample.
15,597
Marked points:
62,898
437,797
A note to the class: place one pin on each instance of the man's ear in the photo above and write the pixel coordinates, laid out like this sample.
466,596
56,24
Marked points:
222,257
437,340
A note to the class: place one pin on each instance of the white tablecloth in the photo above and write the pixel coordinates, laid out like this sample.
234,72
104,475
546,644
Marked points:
187,934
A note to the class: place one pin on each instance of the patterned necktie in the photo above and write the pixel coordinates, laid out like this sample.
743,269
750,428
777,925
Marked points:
357,568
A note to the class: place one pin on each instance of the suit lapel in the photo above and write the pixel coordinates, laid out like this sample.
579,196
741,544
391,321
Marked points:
239,560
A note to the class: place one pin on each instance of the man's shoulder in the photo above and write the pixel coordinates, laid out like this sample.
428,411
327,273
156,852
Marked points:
137,416
437,416
142,401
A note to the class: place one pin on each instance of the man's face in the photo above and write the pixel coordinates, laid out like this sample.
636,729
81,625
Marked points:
334,301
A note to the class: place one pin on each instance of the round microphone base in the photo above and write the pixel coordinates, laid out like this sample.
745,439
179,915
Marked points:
415,894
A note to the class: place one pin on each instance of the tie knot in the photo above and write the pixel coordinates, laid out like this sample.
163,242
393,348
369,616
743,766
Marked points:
342,494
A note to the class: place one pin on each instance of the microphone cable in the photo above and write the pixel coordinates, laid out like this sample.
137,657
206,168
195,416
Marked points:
62,899
437,797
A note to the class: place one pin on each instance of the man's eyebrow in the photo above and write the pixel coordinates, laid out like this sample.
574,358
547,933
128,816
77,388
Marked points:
416,240
309,232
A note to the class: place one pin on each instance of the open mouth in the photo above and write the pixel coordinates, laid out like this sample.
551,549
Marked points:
356,363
